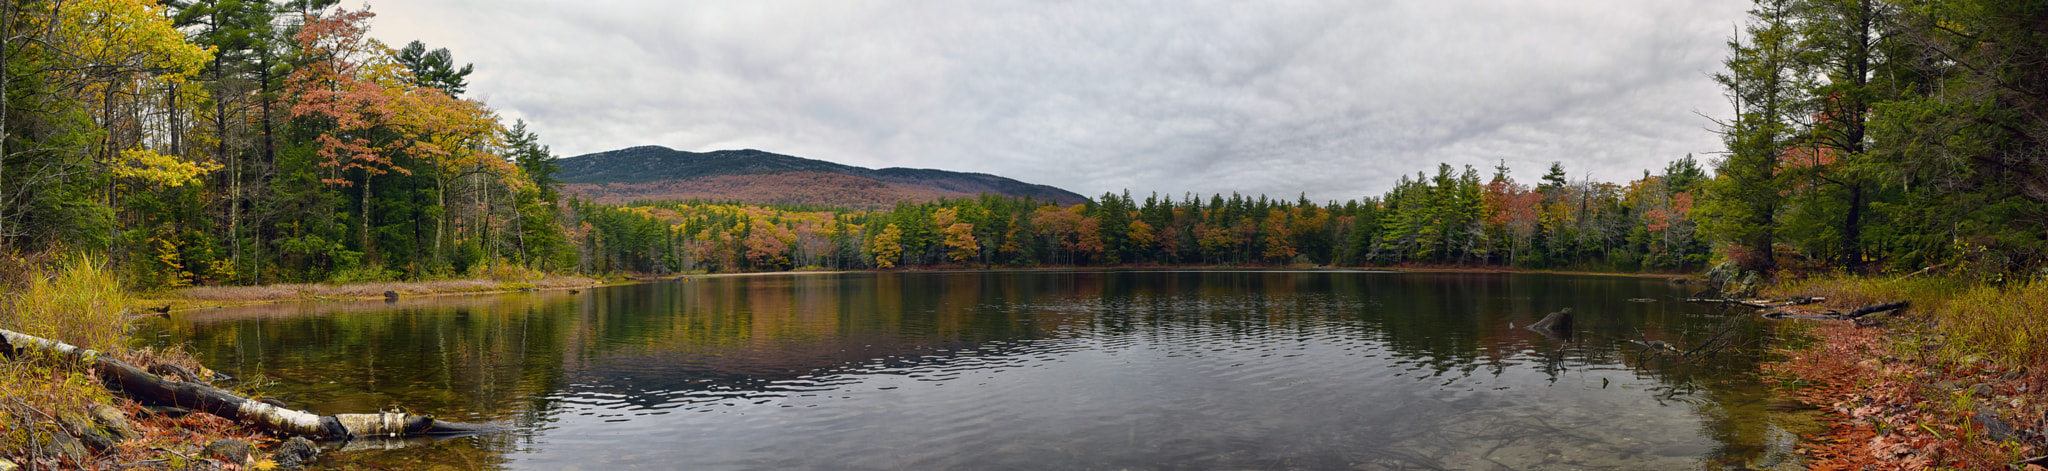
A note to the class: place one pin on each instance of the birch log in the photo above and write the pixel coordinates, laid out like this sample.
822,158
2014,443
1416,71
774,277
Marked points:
141,385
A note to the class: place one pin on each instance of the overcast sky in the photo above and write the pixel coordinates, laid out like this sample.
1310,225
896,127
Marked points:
1333,98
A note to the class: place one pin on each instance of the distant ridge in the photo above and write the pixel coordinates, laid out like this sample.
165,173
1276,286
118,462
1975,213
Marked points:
653,173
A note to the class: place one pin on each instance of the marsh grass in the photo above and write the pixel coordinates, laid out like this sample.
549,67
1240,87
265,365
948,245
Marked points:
2005,324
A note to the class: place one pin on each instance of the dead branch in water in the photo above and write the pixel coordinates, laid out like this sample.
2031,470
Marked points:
1759,303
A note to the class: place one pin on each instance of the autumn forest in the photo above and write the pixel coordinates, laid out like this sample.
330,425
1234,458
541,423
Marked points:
250,142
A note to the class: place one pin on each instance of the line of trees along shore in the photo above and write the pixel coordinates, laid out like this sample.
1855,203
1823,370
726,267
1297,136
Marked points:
242,141
1453,217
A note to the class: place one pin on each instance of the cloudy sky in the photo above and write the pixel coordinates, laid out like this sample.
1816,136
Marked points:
1332,98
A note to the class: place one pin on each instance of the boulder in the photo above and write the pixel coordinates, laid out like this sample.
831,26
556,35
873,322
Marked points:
65,445
1998,429
295,453
228,449
113,421
83,428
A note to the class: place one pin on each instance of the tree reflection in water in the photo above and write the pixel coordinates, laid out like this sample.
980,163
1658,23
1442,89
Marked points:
1037,369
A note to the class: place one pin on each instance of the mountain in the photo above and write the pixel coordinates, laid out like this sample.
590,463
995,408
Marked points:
750,176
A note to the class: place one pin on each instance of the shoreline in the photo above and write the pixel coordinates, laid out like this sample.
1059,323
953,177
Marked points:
216,297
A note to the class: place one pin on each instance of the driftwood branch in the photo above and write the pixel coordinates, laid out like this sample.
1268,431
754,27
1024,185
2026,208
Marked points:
1835,316
141,385
1759,303
1922,271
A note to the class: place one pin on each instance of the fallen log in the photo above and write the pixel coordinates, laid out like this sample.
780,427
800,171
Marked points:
141,385
1836,316
1876,308
1781,314
1758,303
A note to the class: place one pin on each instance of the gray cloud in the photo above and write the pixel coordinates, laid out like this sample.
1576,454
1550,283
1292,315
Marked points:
1332,98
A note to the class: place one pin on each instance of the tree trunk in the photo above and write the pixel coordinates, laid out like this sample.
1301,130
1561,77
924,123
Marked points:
441,222
363,231
141,385
220,151
6,79
490,250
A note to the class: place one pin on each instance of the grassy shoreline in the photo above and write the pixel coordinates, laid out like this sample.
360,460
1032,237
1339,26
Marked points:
1953,383
209,297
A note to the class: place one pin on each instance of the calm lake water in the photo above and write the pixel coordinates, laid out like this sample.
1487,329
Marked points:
1030,370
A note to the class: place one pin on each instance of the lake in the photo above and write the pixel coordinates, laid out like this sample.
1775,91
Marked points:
1031,370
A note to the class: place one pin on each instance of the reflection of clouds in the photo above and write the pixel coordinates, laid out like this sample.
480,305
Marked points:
1332,97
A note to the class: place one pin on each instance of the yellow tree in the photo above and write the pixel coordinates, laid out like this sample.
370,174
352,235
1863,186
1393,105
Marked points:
120,61
461,139
959,235
111,50
888,246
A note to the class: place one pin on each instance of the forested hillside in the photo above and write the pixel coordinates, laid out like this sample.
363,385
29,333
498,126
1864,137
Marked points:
655,173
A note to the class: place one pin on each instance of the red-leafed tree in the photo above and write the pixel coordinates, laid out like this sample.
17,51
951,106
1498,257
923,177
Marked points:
344,92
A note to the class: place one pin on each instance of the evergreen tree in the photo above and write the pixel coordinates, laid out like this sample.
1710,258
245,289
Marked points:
1763,83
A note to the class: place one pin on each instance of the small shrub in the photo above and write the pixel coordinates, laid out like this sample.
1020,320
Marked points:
513,272
361,273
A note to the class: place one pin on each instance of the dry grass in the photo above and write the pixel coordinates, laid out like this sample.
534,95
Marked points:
2001,324
2008,325
75,299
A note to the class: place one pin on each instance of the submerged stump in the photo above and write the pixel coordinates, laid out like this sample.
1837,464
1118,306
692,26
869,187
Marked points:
1557,323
